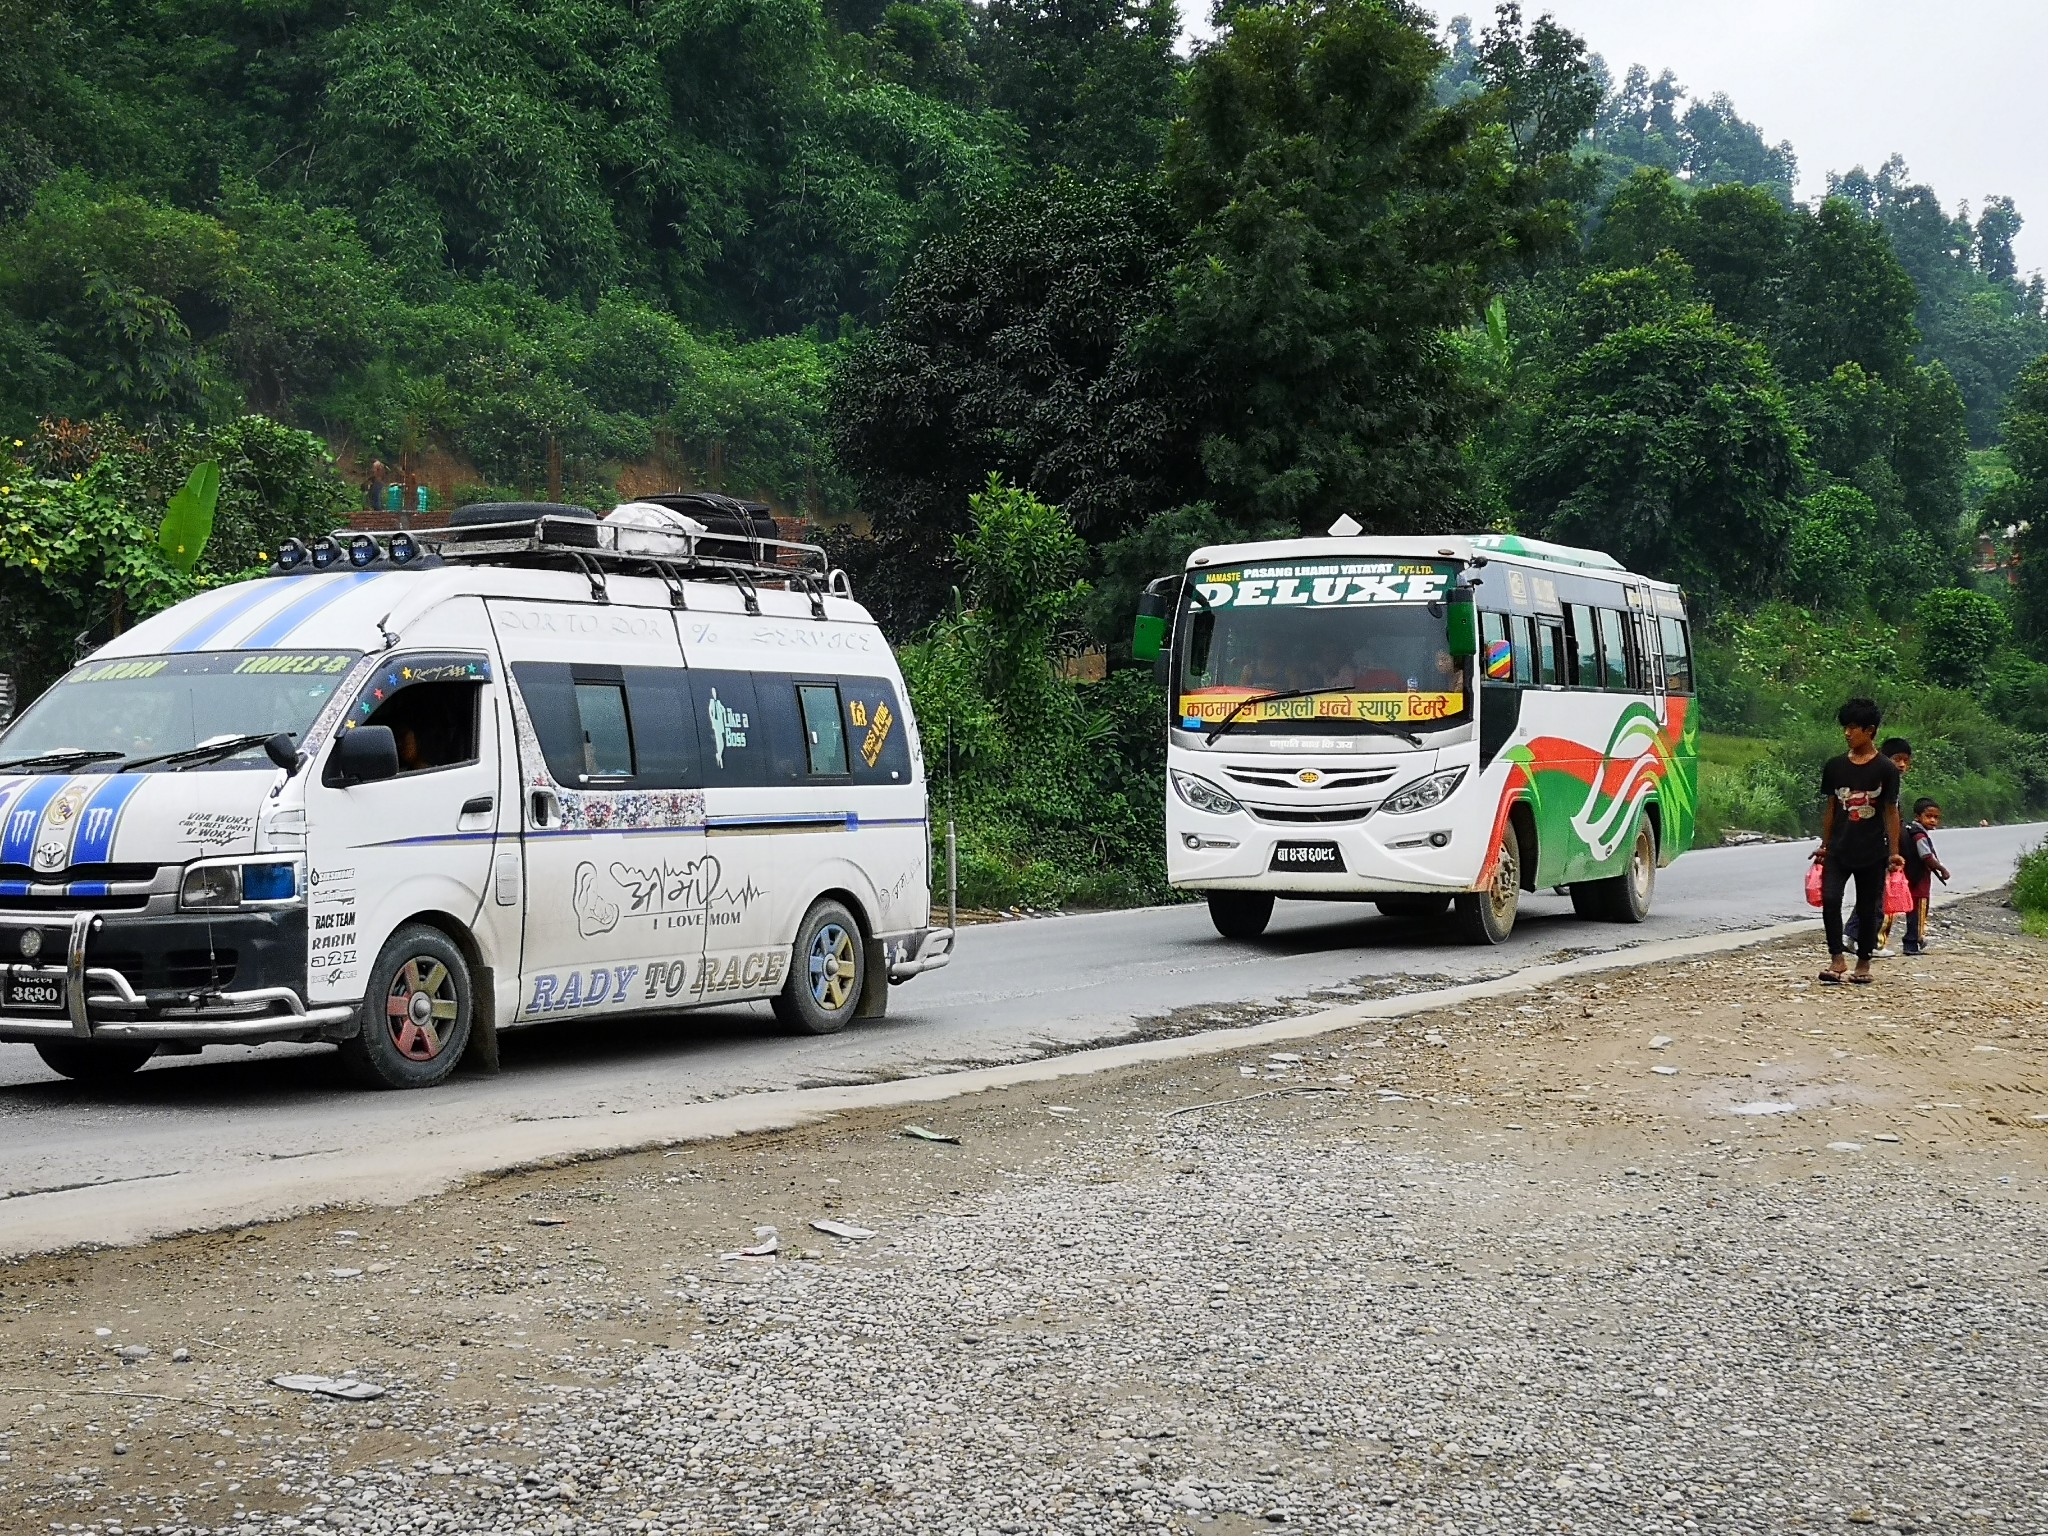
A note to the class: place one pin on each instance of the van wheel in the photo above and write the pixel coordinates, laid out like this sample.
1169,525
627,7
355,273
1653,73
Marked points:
87,1061
828,973
1488,916
1623,898
416,1014
1413,908
1240,914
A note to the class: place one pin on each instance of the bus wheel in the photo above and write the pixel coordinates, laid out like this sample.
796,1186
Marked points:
416,1013
1240,914
1488,916
825,984
1413,908
1623,898
88,1062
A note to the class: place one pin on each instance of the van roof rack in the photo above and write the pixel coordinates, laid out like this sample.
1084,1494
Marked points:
574,538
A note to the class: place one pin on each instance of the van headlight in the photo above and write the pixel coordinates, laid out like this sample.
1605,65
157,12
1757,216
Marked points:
226,887
1423,793
1203,795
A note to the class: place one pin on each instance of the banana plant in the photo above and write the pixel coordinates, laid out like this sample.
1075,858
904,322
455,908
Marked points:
188,524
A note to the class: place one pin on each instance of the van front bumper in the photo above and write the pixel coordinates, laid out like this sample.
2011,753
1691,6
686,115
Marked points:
109,993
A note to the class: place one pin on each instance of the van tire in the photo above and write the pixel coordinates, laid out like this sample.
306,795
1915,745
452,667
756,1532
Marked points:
1240,914
827,972
87,1061
1626,897
1488,916
415,1017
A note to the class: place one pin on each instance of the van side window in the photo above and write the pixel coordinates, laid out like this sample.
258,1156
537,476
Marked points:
1677,656
824,731
433,723
1585,652
607,729
1613,650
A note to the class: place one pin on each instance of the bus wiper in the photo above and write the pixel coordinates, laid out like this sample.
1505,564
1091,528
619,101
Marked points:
205,752
63,757
1303,693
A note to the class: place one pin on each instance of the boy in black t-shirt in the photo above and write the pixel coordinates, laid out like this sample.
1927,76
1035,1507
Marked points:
1900,751
1859,836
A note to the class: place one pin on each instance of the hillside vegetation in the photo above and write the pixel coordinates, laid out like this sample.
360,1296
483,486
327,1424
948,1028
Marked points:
858,257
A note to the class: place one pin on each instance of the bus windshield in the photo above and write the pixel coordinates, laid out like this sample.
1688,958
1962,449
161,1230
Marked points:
1367,639
130,707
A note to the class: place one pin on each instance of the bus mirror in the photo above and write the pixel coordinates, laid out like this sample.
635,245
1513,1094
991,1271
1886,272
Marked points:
1148,633
1461,625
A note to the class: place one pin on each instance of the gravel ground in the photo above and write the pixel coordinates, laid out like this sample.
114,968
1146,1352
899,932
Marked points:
1701,1248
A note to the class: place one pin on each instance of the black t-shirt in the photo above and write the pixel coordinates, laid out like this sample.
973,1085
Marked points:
1862,793
1919,851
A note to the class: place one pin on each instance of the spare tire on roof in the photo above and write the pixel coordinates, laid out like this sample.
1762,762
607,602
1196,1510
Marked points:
574,526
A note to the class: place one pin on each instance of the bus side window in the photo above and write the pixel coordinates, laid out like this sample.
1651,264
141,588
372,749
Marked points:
1585,653
824,731
1496,652
1525,649
1549,653
1677,656
1613,649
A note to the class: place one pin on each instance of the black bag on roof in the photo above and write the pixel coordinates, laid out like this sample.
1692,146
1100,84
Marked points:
575,526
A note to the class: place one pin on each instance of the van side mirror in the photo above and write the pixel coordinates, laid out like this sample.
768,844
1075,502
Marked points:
281,750
363,756
1461,625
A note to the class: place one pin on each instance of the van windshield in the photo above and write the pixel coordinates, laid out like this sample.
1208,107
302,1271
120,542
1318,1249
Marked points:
1365,642
146,706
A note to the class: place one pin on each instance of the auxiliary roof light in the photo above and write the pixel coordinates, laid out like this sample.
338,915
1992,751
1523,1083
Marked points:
325,553
291,554
402,549
362,551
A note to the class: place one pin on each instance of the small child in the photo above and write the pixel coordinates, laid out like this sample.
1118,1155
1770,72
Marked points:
1921,861
1900,751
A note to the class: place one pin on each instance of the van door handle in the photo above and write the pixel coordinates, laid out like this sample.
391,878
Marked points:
480,806
545,807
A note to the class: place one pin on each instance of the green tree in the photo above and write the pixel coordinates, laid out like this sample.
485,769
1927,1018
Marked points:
1341,220
1671,446
2023,503
1092,83
1828,559
1847,298
1961,631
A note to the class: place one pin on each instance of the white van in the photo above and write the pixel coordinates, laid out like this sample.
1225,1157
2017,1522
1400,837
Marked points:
408,791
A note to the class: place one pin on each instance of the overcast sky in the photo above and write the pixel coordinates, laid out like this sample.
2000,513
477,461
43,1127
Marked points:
1956,90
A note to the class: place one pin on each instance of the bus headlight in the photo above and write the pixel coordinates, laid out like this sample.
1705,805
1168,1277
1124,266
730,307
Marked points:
1203,795
1422,794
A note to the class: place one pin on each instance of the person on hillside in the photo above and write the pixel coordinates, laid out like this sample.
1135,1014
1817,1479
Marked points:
1859,837
373,488
1922,863
1900,751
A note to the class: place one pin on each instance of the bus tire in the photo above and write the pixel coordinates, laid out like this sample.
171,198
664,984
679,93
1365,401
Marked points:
1240,914
415,1015
88,1061
1488,916
827,973
1415,909
1626,897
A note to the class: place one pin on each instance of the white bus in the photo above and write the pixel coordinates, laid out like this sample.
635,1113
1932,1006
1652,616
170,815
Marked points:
409,791
1437,725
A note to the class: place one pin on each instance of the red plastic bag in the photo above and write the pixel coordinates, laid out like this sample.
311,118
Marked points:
1815,886
1898,896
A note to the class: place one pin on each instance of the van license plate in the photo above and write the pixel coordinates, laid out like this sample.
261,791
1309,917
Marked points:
1317,858
33,994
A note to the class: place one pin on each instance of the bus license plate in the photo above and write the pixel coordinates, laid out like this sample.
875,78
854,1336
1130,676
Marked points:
33,994
1316,858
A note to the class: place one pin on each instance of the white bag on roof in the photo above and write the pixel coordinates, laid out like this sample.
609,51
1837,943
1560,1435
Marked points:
642,528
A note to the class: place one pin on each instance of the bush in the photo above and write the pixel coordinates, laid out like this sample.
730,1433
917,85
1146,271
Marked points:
1960,632
2030,889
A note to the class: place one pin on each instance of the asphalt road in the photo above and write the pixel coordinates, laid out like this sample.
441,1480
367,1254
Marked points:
1014,989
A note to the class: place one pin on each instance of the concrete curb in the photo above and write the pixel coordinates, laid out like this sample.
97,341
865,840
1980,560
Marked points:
127,1212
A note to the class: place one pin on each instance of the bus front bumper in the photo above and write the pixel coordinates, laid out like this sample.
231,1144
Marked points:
1424,854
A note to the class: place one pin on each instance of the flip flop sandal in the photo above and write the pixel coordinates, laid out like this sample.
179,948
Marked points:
1831,978
1860,979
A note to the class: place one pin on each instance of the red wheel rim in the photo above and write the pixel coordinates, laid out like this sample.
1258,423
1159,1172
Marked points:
421,1008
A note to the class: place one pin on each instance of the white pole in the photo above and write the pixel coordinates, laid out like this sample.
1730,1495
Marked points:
952,876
